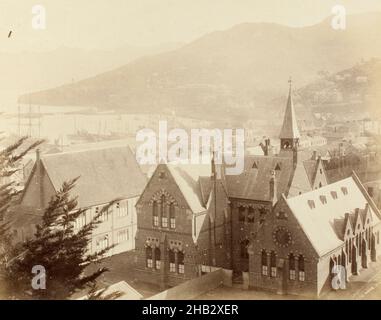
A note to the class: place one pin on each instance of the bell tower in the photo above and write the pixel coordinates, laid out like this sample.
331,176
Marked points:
289,134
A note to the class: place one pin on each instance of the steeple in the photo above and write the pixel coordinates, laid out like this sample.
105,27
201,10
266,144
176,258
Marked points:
289,134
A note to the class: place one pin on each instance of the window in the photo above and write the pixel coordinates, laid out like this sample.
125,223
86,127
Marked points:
80,221
291,266
149,257
103,216
301,268
323,199
334,195
311,204
122,209
273,264
102,242
344,190
250,216
180,259
157,258
264,263
172,216
155,214
164,222
122,236
244,244
164,218
172,261
241,214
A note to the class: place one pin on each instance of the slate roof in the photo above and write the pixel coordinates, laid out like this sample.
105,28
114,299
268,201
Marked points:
290,126
311,168
105,174
315,215
254,184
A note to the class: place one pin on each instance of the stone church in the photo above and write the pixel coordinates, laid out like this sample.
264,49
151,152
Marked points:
277,225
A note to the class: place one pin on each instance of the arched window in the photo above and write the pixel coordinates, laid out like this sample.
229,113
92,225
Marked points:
273,264
155,214
172,261
302,275
291,266
157,258
250,216
172,216
243,246
149,257
164,218
180,261
242,214
264,263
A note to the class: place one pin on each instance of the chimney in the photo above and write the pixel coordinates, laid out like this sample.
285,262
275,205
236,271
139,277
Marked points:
273,191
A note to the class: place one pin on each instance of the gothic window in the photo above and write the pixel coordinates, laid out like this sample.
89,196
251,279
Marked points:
172,261
264,263
277,167
155,214
149,257
164,218
244,244
273,264
250,216
302,275
172,216
157,258
180,259
241,213
291,264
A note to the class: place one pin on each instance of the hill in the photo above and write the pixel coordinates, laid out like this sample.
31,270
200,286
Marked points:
232,73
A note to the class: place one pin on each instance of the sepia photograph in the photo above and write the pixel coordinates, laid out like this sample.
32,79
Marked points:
190,150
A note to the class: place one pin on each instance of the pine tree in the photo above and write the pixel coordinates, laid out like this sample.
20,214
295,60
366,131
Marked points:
10,158
60,249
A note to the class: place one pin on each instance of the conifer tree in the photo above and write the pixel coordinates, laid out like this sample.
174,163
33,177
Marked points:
10,158
60,249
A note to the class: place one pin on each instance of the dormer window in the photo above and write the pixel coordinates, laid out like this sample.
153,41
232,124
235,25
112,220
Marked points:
323,199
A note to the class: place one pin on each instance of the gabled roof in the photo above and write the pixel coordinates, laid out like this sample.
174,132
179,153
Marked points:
318,210
290,126
105,174
253,183
192,180
311,168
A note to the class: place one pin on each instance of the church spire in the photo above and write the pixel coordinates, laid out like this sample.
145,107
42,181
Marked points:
290,126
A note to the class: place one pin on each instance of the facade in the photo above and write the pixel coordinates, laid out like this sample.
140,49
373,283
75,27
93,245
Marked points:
104,175
240,227
183,224
305,237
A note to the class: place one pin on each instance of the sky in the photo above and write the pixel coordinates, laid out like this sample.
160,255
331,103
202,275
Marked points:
107,24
